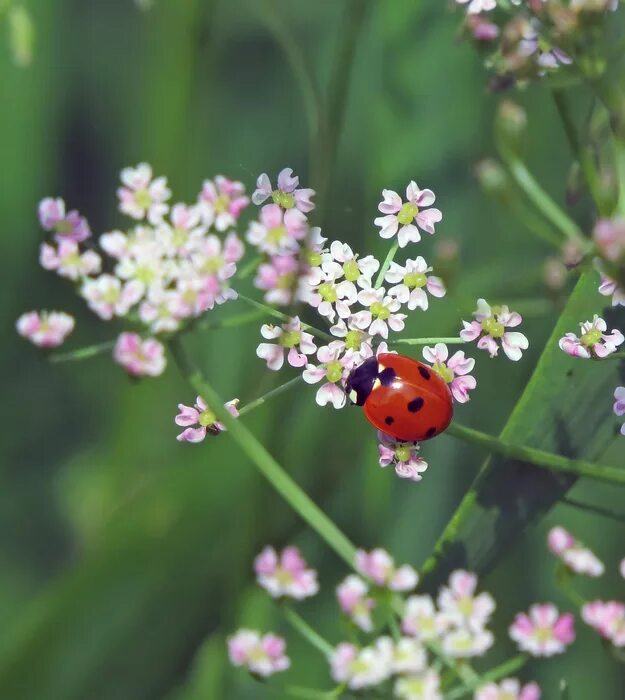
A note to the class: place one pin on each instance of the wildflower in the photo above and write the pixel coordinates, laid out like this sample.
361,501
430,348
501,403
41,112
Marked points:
287,195
139,357
481,29
355,270
221,202
408,656
141,196
354,340
278,231
261,655
68,261
462,643
421,619
476,6
330,294
362,668
399,215
544,632
200,415
66,227
455,370
576,557
619,406
609,287
186,227
285,575
458,602
278,277
492,322
554,273
411,281
508,689
607,618
593,342
107,297
378,565
609,235
404,456
333,368
382,313
291,338
354,602
46,329
422,686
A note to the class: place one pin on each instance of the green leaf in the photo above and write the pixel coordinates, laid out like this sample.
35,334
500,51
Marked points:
566,408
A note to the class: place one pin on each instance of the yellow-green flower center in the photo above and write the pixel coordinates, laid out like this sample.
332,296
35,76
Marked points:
111,295
179,236
351,271
207,418
402,452
543,634
493,327
443,371
415,279
211,266
289,339
313,258
465,605
221,204
592,337
143,198
283,199
353,340
63,227
334,371
379,310
407,213
145,275
286,281
277,234
328,292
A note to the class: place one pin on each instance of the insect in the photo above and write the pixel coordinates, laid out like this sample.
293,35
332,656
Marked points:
401,397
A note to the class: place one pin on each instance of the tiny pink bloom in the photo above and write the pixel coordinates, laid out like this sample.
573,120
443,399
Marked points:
594,340
108,297
66,227
140,357
186,227
404,456
476,6
559,540
68,261
222,201
333,368
355,270
420,619
142,196
379,566
573,554
404,219
610,288
460,604
355,603
199,421
508,689
492,323
278,231
330,294
481,29
609,235
455,370
544,631
411,281
285,575
288,195
278,278
420,686
46,329
291,339
607,618
619,404
382,312
261,655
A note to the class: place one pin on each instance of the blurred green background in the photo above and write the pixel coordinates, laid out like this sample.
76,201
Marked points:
125,557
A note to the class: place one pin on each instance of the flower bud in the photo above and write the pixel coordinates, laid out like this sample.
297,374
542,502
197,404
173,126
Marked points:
511,122
609,236
491,176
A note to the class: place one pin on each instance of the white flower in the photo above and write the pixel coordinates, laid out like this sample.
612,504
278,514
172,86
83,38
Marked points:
411,281
382,313
142,197
354,601
460,604
292,340
421,619
108,297
422,686
593,341
492,322
399,216
455,370
464,643
68,261
362,668
330,294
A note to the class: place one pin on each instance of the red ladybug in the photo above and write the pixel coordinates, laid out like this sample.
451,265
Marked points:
401,397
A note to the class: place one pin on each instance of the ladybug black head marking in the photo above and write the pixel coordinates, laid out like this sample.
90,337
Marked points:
361,380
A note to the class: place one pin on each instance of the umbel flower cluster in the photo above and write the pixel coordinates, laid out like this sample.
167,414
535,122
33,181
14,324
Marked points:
406,644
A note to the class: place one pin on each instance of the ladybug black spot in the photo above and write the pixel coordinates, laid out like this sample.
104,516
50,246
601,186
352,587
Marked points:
424,373
389,420
430,432
387,376
416,404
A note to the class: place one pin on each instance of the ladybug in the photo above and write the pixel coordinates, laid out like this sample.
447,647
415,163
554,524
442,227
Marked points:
401,397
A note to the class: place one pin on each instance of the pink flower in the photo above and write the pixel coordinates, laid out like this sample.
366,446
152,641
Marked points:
573,554
362,668
619,404
222,201
68,261
46,329
382,312
419,686
404,456
492,323
278,232
285,575
609,287
288,195
594,340
291,339
544,632
278,278
66,227
607,618
609,235
461,606
333,368
200,415
107,297
379,566
141,196
421,619
355,270
508,689
262,656
330,294
476,6
186,227
140,357
411,281
481,29
399,215
454,371
355,603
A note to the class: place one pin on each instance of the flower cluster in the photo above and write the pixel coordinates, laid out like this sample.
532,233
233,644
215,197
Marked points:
593,342
573,554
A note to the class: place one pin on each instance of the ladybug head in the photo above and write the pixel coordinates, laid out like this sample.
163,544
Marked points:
361,380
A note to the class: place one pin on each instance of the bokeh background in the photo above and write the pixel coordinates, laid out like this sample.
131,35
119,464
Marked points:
125,556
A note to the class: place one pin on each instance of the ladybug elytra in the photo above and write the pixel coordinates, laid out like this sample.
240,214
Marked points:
401,397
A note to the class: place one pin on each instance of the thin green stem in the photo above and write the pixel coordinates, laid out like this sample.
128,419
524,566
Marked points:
231,321
250,267
284,317
592,508
264,462
507,668
270,395
390,256
463,671
307,632
83,353
539,458
454,340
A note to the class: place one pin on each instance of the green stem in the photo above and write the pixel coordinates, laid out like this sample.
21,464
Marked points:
386,264
537,457
250,267
307,632
427,341
463,671
591,508
270,311
83,353
507,668
231,321
270,395
264,462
